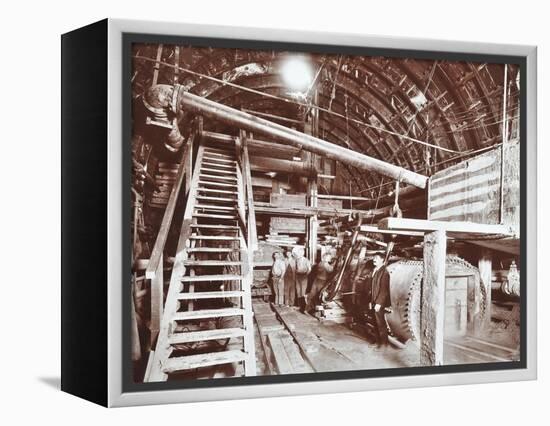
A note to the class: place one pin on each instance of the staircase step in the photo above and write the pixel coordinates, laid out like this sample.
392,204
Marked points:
214,237
223,172
219,277
220,166
218,191
207,313
222,184
219,160
230,151
210,295
213,263
215,216
171,365
219,226
207,176
211,250
214,207
199,336
219,163
222,199
213,154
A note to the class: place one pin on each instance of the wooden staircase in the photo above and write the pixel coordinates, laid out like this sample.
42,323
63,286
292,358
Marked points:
209,295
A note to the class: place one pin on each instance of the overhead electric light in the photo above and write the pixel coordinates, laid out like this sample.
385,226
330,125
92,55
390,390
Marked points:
297,73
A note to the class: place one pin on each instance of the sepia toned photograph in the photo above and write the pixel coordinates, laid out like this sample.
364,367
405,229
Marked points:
300,212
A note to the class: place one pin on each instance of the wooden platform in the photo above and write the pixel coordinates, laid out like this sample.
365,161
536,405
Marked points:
294,343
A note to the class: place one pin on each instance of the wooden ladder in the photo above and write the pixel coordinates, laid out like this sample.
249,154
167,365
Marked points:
212,275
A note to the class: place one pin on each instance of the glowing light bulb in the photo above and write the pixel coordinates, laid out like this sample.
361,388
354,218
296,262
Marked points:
297,73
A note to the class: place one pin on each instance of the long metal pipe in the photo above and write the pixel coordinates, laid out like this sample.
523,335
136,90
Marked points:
255,146
243,120
263,164
185,101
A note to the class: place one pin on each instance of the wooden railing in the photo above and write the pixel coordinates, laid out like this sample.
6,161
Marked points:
154,271
252,232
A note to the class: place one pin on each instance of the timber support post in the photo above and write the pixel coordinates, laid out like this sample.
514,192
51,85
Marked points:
485,266
433,299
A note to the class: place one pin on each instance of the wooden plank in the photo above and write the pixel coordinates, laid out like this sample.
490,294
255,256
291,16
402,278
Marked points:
157,301
172,365
375,230
247,257
211,250
475,351
282,361
395,223
494,345
210,295
220,226
214,237
218,191
293,353
343,197
215,216
215,177
216,155
213,207
207,313
213,263
221,199
221,277
290,328
226,172
157,65
162,235
308,211
218,166
312,222
199,336
432,321
241,210
224,150
485,266
220,184
247,175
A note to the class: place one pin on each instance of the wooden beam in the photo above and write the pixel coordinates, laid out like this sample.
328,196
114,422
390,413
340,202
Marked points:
157,295
342,197
395,223
306,211
376,230
154,262
241,190
432,320
247,175
157,66
312,222
485,266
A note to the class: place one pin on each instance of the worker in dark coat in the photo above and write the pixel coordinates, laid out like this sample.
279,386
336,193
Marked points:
323,271
290,279
303,268
278,277
380,298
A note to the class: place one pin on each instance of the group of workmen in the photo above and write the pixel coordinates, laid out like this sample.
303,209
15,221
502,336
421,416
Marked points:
291,276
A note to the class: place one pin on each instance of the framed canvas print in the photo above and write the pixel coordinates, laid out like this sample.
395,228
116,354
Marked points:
253,213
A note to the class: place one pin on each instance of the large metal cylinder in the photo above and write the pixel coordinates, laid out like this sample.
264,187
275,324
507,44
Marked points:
405,292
